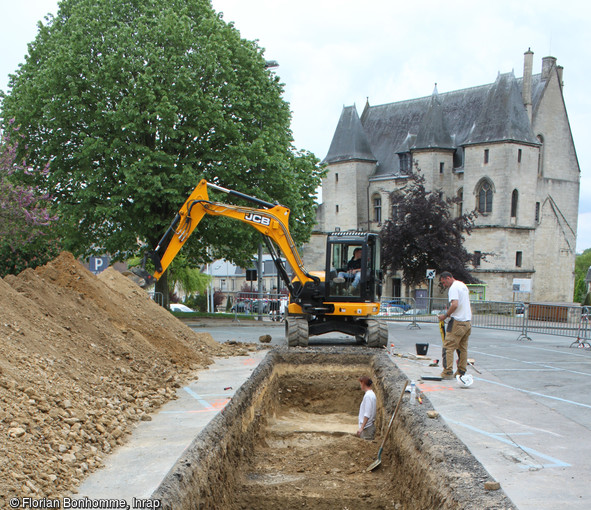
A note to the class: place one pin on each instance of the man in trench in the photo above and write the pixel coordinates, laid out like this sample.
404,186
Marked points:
367,410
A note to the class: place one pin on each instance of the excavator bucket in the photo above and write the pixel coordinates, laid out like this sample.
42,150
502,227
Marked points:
140,276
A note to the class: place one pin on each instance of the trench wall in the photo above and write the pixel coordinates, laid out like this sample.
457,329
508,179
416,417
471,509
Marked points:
431,467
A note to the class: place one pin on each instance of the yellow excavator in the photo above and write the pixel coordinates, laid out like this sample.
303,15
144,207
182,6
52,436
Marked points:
344,298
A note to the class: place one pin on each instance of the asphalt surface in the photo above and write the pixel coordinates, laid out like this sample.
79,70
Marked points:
526,418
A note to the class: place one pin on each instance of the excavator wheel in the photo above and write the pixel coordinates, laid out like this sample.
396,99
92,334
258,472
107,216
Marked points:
296,332
373,334
382,333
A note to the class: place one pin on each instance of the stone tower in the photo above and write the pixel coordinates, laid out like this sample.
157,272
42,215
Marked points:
505,149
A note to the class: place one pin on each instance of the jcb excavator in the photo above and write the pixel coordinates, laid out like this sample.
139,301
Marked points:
320,302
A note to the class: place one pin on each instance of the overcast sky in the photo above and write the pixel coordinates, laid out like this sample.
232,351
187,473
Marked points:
339,52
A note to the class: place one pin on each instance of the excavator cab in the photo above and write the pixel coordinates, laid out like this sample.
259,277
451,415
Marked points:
353,271
348,299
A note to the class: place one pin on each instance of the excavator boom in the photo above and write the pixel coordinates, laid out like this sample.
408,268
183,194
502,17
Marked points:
271,220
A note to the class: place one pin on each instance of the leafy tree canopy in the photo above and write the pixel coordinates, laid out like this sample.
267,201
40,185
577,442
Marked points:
133,102
582,264
424,235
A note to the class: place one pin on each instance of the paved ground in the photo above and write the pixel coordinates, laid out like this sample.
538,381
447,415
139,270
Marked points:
527,417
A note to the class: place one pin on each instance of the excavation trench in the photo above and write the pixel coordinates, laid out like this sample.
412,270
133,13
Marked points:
286,440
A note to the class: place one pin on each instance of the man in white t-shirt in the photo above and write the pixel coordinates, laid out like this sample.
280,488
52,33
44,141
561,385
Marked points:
367,410
459,327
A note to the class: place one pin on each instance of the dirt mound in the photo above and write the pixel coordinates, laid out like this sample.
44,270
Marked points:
81,359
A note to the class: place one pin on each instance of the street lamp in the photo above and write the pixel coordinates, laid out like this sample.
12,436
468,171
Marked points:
269,64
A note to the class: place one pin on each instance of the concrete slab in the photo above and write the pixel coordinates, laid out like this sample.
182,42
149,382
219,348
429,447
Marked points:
136,469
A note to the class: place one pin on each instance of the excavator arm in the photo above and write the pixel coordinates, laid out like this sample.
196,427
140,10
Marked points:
271,220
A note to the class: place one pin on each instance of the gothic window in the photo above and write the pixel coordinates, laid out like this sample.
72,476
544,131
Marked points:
514,199
484,196
377,208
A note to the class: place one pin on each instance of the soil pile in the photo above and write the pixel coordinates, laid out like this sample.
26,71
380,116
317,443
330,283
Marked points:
81,359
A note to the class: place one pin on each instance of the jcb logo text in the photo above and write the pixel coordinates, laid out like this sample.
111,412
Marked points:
257,218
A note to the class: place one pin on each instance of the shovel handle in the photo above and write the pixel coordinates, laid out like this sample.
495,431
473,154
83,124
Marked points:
394,414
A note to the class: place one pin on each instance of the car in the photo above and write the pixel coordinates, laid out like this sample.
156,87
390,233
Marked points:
261,306
398,303
241,306
178,307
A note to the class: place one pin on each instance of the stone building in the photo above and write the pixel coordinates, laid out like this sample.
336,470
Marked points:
505,149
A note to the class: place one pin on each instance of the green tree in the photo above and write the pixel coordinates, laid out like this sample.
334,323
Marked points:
191,280
133,103
582,264
425,235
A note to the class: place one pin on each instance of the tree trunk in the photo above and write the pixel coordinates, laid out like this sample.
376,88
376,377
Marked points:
162,288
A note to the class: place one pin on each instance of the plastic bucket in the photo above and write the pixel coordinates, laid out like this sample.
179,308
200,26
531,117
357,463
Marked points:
422,349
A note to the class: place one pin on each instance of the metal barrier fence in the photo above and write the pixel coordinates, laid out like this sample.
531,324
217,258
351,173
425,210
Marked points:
553,319
158,297
266,305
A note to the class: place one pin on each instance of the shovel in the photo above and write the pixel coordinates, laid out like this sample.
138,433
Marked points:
471,363
378,461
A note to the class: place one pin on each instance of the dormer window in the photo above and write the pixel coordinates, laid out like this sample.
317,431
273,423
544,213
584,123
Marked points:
405,163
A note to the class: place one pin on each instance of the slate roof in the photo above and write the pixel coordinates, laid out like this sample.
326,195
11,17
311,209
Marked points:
433,132
487,113
349,141
503,116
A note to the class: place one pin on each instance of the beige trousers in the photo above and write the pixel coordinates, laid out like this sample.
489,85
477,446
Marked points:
456,340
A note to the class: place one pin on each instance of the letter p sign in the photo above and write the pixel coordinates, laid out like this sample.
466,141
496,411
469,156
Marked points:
98,264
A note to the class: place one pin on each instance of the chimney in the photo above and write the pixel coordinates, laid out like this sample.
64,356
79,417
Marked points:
528,62
559,70
547,64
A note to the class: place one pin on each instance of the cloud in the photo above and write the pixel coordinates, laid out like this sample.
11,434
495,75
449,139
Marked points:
338,52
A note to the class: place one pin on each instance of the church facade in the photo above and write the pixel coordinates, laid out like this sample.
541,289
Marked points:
504,149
